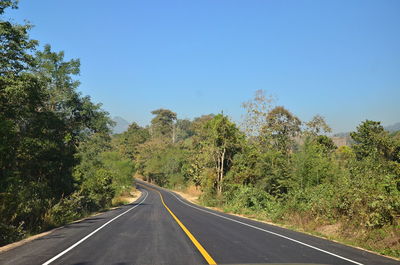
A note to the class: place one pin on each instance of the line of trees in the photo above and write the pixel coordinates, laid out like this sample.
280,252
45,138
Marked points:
56,159
277,167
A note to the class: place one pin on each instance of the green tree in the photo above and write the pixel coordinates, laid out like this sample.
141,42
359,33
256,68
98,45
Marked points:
317,126
58,75
221,140
129,141
281,128
43,120
15,45
246,168
148,160
371,140
28,141
313,163
163,125
102,173
80,115
184,129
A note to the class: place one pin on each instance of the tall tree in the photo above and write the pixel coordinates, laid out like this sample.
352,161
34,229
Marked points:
183,129
26,171
370,140
42,121
15,45
317,125
221,140
257,111
130,140
59,76
281,128
162,125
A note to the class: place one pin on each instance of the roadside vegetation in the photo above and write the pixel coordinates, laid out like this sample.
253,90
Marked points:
57,163
275,167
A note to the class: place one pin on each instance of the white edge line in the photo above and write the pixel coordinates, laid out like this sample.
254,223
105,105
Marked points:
267,231
92,233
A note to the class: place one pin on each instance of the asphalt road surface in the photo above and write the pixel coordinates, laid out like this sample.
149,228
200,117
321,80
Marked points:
162,228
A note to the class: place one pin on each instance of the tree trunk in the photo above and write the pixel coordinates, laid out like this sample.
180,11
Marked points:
221,172
173,133
217,169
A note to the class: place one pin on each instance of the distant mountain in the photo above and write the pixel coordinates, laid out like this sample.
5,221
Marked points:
120,126
391,128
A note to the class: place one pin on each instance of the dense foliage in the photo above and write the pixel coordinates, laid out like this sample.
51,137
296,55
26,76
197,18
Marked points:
56,161
281,169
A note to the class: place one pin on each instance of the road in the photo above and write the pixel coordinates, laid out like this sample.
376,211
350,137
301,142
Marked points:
163,228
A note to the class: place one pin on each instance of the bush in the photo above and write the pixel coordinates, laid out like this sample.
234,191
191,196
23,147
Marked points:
249,199
67,210
11,233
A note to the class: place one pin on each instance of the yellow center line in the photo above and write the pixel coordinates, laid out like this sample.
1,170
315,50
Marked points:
203,252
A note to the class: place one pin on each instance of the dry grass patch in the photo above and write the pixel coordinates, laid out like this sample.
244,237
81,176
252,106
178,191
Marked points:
127,197
329,230
190,193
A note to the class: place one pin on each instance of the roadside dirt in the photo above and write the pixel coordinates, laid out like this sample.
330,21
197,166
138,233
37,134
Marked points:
191,194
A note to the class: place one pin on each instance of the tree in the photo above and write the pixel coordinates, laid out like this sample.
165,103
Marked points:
15,45
317,125
221,140
28,143
313,163
102,172
80,115
326,143
59,76
19,91
130,140
257,111
162,125
281,128
246,168
147,160
43,120
184,129
370,140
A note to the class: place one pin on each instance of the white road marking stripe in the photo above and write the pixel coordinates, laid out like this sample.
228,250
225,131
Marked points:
92,233
267,231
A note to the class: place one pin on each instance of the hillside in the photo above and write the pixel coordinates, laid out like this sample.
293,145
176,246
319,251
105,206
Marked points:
120,126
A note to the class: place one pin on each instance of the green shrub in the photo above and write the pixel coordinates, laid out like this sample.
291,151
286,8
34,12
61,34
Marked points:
67,210
11,233
249,199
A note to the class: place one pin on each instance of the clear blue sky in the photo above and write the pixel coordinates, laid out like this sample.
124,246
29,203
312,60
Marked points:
340,59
